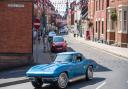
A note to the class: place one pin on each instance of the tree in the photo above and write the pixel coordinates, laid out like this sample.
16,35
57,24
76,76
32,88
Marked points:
113,16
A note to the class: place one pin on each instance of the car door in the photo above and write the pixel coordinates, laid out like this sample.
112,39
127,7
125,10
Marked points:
79,65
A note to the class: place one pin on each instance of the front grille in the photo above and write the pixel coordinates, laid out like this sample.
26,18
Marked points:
59,46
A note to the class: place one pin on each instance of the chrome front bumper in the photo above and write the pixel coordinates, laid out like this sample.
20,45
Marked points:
54,79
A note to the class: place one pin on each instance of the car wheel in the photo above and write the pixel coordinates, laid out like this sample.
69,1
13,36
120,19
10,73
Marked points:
37,83
62,81
89,73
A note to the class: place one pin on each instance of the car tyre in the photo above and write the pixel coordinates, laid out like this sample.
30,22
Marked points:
89,73
62,81
37,83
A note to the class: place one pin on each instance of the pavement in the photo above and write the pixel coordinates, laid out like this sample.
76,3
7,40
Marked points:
41,56
118,51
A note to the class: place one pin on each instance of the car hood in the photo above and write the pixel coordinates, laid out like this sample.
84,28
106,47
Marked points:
59,43
45,68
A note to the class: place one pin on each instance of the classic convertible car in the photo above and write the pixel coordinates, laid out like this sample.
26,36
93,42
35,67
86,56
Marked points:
67,67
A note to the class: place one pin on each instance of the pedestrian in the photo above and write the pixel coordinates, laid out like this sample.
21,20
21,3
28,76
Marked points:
34,36
45,43
74,35
39,38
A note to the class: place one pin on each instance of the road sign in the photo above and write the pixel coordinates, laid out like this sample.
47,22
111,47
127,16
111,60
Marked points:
37,23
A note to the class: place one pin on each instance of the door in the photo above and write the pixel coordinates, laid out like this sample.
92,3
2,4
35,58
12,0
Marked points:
79,65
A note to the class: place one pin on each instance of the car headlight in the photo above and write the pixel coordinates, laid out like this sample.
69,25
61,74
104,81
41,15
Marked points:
53,45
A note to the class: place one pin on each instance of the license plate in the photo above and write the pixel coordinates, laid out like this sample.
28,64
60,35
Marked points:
59,48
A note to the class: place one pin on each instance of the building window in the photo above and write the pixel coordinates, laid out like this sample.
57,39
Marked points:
112,25
102,27
107,3
99,4
99,26
96,26
102,4
120,20
108,21
125,20
96,5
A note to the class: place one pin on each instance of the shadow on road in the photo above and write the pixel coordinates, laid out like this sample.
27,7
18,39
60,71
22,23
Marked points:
14,83
70,49
76,85
102,68
83,83
15,73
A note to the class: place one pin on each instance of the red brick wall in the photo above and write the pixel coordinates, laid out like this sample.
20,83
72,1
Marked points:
98,16
120,37
111,36
16,27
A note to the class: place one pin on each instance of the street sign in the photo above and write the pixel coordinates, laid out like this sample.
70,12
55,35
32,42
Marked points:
37,23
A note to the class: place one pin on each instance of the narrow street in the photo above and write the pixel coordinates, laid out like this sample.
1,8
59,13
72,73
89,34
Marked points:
111,73
93,35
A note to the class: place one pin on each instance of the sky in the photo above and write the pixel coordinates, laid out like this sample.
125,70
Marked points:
62,7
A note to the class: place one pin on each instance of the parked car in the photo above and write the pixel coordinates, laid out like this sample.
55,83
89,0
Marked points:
67,67
58,44
50,35
63,30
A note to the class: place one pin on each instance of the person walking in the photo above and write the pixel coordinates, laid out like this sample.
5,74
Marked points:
45,43
39,38
76,32
34,36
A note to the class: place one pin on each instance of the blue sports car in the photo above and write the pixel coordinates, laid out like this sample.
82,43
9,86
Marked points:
67,67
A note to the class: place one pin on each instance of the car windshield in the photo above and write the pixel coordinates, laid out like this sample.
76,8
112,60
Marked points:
52,33
63,58
58,39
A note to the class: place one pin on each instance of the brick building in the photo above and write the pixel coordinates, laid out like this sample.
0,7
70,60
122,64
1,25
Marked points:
110,21
117,29
97,15
16,32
